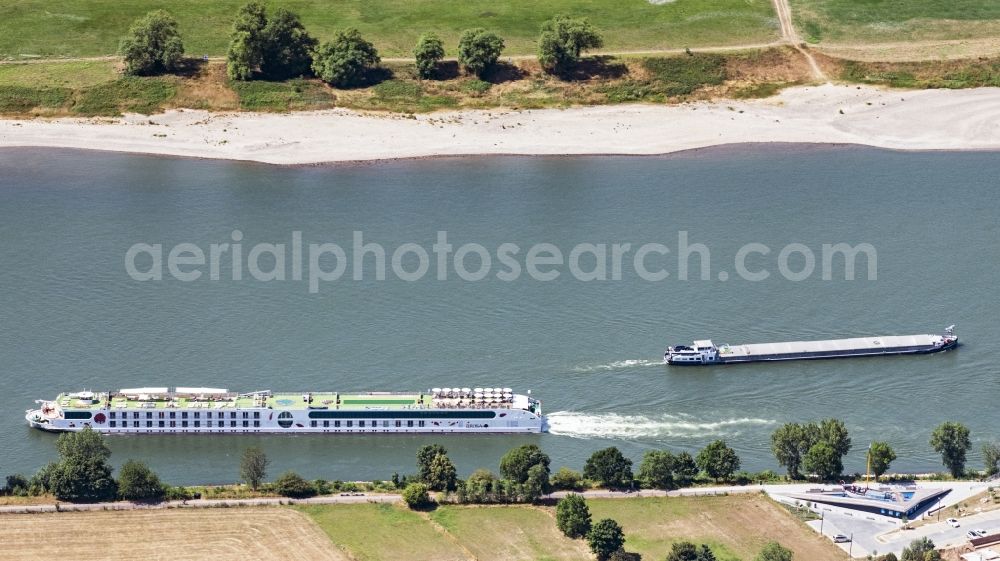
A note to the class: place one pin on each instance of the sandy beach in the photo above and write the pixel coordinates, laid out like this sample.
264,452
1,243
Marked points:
899,119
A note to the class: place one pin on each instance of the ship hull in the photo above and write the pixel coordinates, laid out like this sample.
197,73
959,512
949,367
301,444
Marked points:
922,350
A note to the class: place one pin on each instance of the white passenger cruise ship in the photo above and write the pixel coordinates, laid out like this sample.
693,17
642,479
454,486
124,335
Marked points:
212,410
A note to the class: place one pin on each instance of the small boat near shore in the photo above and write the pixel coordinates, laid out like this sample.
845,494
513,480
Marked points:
705,352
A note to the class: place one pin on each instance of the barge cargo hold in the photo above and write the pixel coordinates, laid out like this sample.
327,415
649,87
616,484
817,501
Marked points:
706,352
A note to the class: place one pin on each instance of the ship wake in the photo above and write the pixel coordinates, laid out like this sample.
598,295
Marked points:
614,425
617,365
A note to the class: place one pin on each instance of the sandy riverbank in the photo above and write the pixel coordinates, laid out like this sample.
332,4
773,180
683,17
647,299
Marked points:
918,120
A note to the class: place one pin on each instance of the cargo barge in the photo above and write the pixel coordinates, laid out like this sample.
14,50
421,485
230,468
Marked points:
706,352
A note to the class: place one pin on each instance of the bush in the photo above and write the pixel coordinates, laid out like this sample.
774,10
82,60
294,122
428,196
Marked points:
178,493
567,480
609,467
605,538
346,60
657,470
478,50
774,551
16,485
416,496
136,482
922,549
573,516
152,45
428,52
291,484
622,555
561,41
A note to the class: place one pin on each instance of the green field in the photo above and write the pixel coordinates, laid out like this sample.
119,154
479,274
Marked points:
75,28
735,527
848,21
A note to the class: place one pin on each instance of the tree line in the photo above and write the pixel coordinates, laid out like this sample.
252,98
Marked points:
83,472
277,46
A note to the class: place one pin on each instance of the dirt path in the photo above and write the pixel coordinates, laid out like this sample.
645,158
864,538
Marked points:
789,35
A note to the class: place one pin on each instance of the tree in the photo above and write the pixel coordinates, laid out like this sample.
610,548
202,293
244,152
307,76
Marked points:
881,456
823,460
442,475
657,470
718,460
774,551
246,45
537,483
516,463
951,440
789,444
152,45
685,469
82,473
253,466
416,496
426,455
136,482
605,538
428,52
887,557
478,50
566,479
921,549
622,555
291,484
683,551
573,516
286,47
562,40
991,458
705,553
609,467
346,60
834,433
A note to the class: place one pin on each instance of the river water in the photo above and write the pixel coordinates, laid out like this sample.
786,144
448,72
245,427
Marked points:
72,317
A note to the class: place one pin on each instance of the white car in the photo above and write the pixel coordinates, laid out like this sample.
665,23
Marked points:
953,522
841,538
981,533
972,534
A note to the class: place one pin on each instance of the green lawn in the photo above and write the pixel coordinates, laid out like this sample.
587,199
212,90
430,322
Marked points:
375,532
735,527
69,28
847,21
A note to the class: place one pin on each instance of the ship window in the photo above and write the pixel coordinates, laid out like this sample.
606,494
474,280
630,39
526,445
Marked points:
112,414
246,424
420,423
160,424
361,423
313,424
111,424
232,424
149,424
326,424
173,414
159,415
135,424
232,415
409,423
336,424
197,414
173,424
209,424
135,415
149,414
256,423
197,423
350,423
399,423
285,419
385,424
184,415
246,414
76,415
256,414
